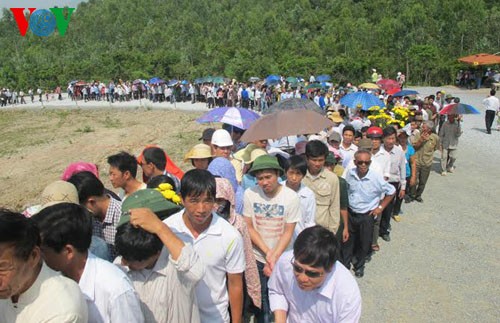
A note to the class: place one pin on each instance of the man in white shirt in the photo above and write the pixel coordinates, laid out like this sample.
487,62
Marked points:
492,105
66,231
397,178
311,285
217,242
163,269
29,290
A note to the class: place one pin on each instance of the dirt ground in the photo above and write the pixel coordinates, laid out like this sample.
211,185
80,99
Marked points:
37,145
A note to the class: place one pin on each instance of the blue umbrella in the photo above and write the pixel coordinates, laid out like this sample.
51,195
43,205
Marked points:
459,108
184,82
156,80
273,79
199,80
405,93
323,78
172,82
366,100
237,117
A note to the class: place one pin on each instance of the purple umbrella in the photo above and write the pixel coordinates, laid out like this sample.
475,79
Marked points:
238,117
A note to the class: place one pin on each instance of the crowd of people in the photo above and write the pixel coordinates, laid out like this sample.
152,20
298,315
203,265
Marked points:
255,94
271,229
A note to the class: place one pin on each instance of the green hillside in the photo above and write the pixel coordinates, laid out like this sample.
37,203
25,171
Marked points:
110,39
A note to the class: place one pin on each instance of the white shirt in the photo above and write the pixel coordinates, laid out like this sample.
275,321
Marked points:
492,103
52,298
347,153
308,208
166,291
397,165
109,293
220,248
381,163
270,215
337,300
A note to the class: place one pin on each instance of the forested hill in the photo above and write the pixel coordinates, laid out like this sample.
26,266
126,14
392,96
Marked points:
129,39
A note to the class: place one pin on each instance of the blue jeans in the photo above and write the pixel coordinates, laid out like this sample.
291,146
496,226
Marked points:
264,315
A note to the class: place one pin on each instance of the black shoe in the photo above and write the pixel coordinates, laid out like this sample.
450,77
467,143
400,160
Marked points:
386,237
407,199
360,272
419,199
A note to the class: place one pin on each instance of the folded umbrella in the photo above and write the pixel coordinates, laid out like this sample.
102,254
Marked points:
238,117
286,123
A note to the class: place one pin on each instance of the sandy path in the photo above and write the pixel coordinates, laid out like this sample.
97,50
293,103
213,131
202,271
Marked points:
442,264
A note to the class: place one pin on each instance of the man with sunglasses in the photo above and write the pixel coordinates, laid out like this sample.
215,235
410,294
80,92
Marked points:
309,284
365,206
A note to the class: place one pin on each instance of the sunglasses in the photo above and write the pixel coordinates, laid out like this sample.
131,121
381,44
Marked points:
363,162
308,273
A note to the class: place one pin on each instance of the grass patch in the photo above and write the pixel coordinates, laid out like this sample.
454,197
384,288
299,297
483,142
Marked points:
111,122
85,129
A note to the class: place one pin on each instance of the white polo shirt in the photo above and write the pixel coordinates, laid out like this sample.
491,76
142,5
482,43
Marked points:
220,248
109,293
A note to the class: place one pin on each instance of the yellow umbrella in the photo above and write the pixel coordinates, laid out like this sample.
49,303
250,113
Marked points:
369,86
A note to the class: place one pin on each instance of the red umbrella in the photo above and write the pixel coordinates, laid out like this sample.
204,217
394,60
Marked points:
393,91
388,84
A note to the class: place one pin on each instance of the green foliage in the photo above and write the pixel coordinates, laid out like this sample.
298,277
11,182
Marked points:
128,39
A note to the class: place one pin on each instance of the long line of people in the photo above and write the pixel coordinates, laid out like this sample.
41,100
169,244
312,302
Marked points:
254,229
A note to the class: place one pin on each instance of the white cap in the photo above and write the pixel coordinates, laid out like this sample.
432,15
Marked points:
222,138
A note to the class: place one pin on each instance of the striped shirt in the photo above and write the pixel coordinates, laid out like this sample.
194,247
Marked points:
107,229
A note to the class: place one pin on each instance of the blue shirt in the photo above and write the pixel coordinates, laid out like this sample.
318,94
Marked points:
410,151
364,193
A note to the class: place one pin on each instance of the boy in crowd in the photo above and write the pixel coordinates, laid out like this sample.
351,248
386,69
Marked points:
271,211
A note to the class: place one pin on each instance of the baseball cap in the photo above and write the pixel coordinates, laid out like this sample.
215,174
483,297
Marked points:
365,144
334,136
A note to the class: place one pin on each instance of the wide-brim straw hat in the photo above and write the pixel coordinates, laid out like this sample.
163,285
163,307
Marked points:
198,151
